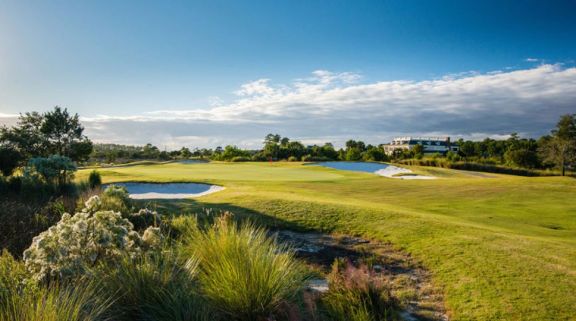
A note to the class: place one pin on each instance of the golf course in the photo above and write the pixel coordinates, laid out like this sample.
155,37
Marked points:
498,247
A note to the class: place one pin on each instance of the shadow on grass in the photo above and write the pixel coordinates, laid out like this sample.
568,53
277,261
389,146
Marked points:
191,207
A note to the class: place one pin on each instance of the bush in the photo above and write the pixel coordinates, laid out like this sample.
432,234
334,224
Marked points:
310,158
145,218
240,159
9,160
24,219
153,287
292,159
54,169
116,198
76,242
355,294
94,180
244,274
12,277
259,157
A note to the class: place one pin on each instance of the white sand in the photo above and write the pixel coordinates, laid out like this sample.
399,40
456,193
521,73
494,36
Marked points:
144,196
392,171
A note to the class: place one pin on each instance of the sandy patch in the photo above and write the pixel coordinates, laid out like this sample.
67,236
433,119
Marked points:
143,196
393,172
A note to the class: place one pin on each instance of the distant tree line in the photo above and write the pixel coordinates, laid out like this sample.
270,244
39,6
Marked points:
556,150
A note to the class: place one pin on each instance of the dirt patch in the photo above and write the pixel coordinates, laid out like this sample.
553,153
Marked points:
410,282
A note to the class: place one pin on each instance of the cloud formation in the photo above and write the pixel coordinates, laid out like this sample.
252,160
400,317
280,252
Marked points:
334,107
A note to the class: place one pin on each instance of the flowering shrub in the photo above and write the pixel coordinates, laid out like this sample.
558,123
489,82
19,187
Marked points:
82,240
145,218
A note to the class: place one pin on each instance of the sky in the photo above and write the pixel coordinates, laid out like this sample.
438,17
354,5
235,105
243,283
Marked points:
209,73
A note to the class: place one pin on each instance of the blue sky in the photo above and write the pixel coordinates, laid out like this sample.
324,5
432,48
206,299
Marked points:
186,64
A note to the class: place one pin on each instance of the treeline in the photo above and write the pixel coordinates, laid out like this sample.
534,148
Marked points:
515,155
275,148
117,153
556,150
278,148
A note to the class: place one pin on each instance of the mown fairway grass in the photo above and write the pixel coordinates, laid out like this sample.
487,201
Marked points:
501,247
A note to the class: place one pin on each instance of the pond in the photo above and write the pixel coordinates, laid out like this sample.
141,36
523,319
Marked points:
168,190
385,170
354,166
192,161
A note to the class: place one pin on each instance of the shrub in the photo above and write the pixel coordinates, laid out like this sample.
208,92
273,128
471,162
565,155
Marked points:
94,179
24,219
54,169
116,198
12,277
244,274
145,218
355,294
76,242
259,157
310,158
292,159
241,159
153,287
9,160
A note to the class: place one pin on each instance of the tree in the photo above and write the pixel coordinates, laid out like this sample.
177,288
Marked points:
54,132
418,151
353,154
374,154
560,148
150,151
467,148
185,153
63,132
328,151
9,160
271,148
26,136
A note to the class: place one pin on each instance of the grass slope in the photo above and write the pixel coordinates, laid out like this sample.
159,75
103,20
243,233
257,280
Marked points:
501,247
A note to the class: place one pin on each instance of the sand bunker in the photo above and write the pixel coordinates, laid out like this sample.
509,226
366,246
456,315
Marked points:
169,190
400,173
385,170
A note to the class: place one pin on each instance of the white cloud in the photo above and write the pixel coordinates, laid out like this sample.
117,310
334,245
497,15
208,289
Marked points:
334,107
531,59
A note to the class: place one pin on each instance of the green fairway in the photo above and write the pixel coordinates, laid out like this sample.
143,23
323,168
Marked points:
501,247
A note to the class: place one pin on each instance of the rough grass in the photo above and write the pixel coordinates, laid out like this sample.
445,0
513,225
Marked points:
153,287
501,247
56,302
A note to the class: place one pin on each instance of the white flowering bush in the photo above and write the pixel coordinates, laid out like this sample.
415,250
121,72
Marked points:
82,240
92,205
145,218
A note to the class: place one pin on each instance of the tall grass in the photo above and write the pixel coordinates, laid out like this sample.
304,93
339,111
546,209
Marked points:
356,294
154,287
243,273
55,303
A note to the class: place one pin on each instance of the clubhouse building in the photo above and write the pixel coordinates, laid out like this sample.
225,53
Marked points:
432,145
